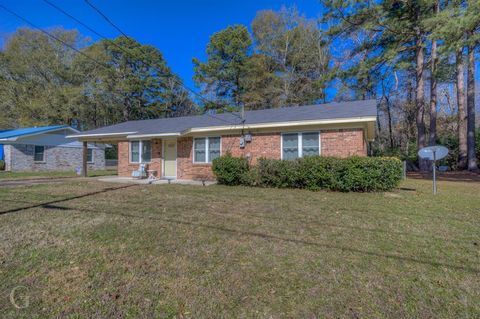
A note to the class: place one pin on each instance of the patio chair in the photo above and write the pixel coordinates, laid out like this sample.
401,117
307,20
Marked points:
141,172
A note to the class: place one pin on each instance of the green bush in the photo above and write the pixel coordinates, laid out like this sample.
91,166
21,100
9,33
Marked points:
2,165
230,170
359,174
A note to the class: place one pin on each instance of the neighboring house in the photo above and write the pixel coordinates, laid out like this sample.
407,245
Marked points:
46,149
184,147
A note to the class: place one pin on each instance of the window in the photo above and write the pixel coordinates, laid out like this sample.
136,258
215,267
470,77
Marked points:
213,148
140,150
135,152
310,144
39,153
296,145
290,146
146,151
89,155
206,149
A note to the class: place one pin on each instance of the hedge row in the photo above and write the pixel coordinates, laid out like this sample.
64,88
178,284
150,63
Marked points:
359,174
2,165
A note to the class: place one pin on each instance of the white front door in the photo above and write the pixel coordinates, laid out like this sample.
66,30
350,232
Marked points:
170,158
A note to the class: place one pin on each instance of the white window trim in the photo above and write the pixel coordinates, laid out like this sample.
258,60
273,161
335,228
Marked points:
207,153
140,147
300,142
43,159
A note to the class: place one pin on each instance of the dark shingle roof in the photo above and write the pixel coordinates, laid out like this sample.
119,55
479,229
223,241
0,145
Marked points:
328,111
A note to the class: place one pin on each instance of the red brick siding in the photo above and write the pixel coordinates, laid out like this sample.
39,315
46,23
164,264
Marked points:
125,168
186,169
263,145
343,143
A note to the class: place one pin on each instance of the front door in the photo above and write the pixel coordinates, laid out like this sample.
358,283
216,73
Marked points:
169,158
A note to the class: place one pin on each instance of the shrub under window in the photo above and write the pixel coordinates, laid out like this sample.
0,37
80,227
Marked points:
360,174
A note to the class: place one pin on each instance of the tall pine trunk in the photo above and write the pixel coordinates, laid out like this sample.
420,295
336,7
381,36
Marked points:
472,158
462,116
433,87
433,96
420,98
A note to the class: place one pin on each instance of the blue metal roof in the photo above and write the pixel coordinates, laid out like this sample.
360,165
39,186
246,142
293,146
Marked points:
29,130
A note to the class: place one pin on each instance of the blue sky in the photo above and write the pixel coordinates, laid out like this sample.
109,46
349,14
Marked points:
179,28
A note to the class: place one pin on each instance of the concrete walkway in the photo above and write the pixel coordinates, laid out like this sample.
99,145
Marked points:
129,180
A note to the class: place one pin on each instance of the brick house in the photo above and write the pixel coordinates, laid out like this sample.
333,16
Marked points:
184,147
46,149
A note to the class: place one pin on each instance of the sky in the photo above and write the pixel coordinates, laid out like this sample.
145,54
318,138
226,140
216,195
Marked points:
180,29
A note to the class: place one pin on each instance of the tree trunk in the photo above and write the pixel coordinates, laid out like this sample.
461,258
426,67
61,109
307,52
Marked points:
433,88
419,98
462,117
390,131
389,115
433,96
472,158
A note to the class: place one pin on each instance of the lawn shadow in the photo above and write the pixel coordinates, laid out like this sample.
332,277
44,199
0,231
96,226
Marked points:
283,239
46,204
308,243
50,205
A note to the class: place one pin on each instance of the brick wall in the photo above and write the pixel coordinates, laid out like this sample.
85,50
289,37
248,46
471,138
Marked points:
186,169
20,158
125,168
343,143
263,145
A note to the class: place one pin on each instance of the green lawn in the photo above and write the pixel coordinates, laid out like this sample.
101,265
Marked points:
86,250
26,175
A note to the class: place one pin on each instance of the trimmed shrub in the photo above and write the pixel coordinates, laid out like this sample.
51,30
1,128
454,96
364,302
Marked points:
230,170
276,173
2,165
358,174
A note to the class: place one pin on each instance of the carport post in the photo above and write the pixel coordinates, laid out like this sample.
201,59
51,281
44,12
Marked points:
84,159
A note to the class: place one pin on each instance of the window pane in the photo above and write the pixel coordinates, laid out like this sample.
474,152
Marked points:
200,156
290,146
89,155
146,151
200,150
135,152
38,155
310,144
213,148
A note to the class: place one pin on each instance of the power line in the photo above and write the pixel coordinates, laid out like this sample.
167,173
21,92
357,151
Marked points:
99,34
53,36
104,16
75,49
